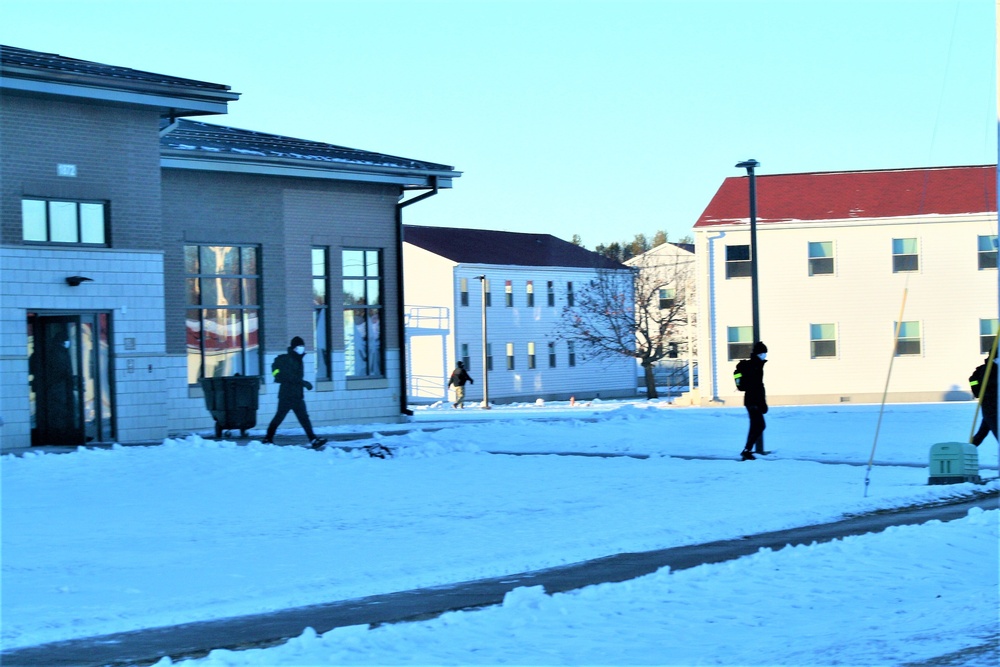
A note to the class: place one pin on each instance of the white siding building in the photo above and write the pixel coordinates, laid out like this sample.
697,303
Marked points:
836,254
529,279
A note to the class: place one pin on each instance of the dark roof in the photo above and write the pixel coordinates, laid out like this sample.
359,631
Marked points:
856,194
481,246
189,137
683,246
39,72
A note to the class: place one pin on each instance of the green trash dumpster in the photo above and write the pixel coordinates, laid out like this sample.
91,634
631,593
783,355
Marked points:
233,402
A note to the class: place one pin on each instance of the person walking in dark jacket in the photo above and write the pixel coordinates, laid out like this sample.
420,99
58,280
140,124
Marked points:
289,372
985,388
459,377
754,399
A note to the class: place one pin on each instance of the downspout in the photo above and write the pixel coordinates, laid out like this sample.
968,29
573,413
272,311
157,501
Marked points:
713,347
400,308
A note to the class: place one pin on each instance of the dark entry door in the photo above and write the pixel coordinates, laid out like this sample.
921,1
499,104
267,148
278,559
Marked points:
69,368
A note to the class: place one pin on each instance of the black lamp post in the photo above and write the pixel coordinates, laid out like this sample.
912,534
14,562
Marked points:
750,165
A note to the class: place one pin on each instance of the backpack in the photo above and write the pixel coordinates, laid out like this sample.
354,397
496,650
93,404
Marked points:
741,367
976,379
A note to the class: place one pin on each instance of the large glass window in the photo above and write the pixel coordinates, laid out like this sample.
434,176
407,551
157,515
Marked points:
987,332
740,341
321,311
737,261
908,342
223,311
363,310
904,255
820,258
60,221
988,252
822,340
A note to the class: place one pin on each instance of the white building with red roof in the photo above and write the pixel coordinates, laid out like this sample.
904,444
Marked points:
838,253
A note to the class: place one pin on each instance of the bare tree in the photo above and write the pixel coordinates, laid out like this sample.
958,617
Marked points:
638,313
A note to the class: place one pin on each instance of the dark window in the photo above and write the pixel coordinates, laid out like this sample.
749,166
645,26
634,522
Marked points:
552,355
987,332
987,252
820,258
569,294
530,289
464,291
904,255
908,342
510,356
740,342
823,340
667,300
489,356
571,348
508,291
531,355
737,261
551,294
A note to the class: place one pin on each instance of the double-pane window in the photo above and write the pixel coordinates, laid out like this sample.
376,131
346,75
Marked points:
987,332
551,293
988,252
820,258
363,310
908,343
62,221
510,356
667,297
822,340
904,255
530,294
223,311
531,355
570,300
463,291
571,349
740,341
508,292
737,261
552,355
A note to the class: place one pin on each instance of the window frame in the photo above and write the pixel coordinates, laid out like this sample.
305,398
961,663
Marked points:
667,297
508,291
570,297
247,308
105,225
571,353
988,329
900,258
819,341
824,261
529,291
321,313
738,267
374,364
552,355
463,291
531,355
739,348
989,254
908,340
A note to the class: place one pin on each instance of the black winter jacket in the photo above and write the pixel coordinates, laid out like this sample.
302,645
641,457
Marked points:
753,383
459,377
288,371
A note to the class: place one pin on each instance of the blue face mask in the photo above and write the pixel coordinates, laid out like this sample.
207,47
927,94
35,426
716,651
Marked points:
762,356
300,349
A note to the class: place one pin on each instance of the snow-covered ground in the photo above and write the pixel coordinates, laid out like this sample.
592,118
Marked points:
101,541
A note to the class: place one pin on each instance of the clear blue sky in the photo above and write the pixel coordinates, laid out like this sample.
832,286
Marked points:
598,118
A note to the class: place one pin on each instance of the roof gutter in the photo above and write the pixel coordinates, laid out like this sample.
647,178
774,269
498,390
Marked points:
401,313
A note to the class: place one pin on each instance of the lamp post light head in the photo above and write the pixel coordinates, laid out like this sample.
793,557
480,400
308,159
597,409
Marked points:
749,165
483,277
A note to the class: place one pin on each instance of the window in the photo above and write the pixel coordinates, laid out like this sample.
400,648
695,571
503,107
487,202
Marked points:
569,294
737,261
223,311
822,340
667,299
908,342
740,342
530,294
987,252
571,348
987,332
59,221
820,258
508,291
321,311
551,294
465,356
904,255
489,356
363,310
531,356
489,295
510,356
463,287
552,355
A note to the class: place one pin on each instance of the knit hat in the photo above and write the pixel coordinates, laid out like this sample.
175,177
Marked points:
759,347
297,341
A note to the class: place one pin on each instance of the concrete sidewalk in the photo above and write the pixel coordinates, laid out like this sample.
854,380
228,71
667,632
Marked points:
259,630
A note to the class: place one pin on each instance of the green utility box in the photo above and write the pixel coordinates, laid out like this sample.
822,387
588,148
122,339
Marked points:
954,463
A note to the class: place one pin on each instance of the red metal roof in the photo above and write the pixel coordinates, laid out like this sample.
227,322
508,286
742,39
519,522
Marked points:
856,194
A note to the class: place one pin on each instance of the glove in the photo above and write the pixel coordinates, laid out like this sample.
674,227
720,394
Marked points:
308,385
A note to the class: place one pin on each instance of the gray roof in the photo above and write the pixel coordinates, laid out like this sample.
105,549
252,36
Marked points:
481,246
53,74
193,144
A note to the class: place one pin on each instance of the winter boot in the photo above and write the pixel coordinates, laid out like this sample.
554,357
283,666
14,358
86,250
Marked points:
747,455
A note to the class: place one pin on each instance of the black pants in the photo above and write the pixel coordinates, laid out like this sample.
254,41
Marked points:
757,426
296,405
988,426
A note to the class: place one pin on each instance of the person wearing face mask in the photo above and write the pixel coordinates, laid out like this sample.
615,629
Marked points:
750,380
289,372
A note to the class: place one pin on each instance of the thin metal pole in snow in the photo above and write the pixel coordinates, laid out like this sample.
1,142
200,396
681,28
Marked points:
885,392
